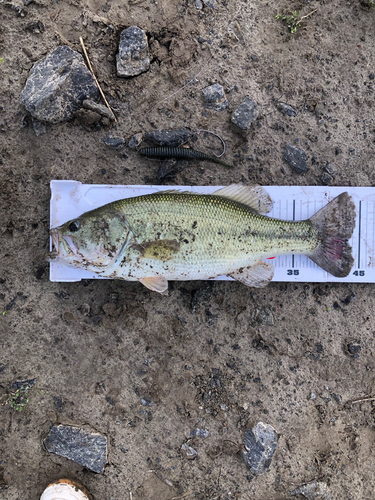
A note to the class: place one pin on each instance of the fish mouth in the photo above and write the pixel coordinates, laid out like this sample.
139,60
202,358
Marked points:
61,246
69,242
55,240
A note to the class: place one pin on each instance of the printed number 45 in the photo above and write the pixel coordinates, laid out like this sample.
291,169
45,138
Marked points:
359,273
292,271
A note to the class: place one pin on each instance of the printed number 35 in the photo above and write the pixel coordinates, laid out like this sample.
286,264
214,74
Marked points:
292,271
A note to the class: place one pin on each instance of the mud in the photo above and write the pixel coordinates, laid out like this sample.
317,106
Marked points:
100,350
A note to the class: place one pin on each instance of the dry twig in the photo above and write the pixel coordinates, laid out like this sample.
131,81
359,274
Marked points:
96,81
362,400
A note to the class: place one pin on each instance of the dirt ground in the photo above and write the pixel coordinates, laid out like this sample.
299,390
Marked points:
96,348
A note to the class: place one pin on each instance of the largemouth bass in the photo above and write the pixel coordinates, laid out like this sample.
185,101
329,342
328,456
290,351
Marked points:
173,235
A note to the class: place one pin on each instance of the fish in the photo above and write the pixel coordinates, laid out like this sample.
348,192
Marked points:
177,235
164,152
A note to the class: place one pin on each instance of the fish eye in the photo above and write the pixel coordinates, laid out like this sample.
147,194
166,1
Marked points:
74,226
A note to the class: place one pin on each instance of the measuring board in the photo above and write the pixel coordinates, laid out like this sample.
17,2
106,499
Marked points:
69,199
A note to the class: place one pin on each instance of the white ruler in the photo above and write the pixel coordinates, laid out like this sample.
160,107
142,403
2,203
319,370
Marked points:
69,199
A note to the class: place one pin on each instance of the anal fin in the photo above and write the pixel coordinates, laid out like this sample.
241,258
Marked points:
257,275
155,283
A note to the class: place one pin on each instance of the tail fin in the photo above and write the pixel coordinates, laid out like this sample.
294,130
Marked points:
335,224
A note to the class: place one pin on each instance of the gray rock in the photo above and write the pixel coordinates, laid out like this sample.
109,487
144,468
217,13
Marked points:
200,433
113,142
98,108
260,443
86,448
214,96
57,86
135,141
246,114
133,55
287,110
189,452
198,4
314,490
296,157
169,138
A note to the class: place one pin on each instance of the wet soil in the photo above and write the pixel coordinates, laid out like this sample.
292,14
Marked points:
216,356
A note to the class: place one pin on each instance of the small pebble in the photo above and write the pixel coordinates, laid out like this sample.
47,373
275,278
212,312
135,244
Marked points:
169,137
246,114
315,490
98,108
133,54
337,397
354,348
135,141
265,317
260,443
329,169
113,142
287,110
326,178
214,96
204,433
189,452
296,157
348,299
86,448
146,401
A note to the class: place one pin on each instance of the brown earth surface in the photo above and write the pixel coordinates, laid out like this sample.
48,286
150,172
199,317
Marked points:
97,347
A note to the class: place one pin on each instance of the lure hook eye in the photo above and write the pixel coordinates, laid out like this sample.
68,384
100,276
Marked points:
216,135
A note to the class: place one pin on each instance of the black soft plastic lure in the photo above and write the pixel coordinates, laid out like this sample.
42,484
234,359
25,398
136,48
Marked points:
164,152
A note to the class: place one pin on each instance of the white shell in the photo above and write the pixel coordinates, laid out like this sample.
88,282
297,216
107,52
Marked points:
64,489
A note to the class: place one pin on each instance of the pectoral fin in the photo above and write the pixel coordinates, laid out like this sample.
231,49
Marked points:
257,275
160,249
155,283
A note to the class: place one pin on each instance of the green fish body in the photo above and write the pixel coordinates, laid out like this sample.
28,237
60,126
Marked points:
174,235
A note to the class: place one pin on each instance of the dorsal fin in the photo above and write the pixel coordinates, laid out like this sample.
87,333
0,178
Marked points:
254,197
174,191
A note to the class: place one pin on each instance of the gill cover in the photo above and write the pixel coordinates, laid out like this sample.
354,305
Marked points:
93,240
